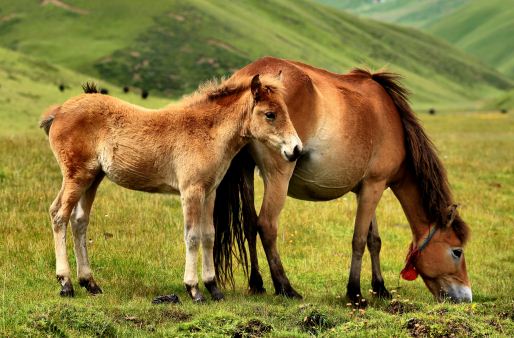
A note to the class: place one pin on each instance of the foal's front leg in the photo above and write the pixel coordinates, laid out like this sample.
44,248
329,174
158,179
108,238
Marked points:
208,271
193,200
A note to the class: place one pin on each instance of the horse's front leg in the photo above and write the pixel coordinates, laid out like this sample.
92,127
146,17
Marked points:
367,199
276,182
192,205
207,233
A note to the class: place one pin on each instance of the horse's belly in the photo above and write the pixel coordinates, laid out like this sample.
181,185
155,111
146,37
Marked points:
322,177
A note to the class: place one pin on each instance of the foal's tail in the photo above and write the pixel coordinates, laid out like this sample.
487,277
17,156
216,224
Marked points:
48,118
233,211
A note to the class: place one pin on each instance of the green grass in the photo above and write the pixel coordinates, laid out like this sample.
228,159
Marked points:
171,46
137,250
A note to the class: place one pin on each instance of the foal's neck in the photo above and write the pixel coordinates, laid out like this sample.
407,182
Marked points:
225,117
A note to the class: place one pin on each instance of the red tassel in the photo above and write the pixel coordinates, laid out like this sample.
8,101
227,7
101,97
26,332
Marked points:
409,271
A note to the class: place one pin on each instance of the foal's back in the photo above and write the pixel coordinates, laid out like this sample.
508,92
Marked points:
94,133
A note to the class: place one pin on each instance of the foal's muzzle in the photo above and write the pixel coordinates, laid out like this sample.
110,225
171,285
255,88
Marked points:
297,152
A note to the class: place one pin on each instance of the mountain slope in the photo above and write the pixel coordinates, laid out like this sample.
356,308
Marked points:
184,43
417,13
485,29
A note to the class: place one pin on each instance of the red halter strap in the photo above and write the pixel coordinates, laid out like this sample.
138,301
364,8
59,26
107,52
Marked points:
409,271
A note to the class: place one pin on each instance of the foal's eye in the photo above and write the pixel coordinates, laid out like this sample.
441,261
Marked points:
270,116
456,253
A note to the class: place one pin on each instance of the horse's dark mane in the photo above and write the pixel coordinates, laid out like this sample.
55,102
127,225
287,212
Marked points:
422,155
89,88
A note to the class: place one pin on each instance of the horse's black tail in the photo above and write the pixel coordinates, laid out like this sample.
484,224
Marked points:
234,210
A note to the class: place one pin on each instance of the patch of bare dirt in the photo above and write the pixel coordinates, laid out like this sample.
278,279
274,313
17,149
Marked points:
398,307
252,328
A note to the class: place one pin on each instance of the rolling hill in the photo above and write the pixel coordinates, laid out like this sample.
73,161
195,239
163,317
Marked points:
419,13
172,46
29,85
483,29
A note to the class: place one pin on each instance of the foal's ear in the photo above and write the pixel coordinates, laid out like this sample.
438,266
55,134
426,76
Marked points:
256,87
452,213
279,75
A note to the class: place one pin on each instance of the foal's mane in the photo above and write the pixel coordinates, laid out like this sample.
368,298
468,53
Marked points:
430,173
216,89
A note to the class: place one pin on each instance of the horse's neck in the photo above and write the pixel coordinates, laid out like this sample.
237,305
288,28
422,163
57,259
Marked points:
407,192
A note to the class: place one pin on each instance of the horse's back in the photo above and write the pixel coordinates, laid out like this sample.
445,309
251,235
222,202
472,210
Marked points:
349,125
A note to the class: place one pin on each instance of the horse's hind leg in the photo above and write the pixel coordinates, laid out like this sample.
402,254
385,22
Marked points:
367,199
255,283
374,246
79,223
60,212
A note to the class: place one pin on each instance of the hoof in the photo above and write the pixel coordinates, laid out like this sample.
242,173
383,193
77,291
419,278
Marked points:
256,291
289,292
256,285
357,301
66,287
380,291
173,299
90,285
216,294
194,292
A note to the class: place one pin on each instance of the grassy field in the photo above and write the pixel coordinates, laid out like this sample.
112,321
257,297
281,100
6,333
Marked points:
137,251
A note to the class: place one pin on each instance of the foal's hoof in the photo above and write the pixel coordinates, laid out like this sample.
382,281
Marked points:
289,292
173,299
67,291
66,287
90,285
213,290
194,292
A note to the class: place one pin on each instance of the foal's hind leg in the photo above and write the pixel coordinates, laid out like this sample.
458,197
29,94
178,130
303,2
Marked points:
367,198
79,223
60,214
374,246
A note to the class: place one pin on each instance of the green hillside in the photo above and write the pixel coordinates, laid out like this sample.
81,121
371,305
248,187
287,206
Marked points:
485,29
418,13
174,45
28,86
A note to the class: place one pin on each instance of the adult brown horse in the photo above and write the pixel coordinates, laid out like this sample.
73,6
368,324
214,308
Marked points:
360,135
182,149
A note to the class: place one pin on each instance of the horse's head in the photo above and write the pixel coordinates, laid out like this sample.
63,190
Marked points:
269,121
439,258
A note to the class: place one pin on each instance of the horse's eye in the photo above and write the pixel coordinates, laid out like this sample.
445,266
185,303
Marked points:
270,116
456,253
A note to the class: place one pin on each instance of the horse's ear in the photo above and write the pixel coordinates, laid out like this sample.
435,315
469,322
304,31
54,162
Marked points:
256,87
452,213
